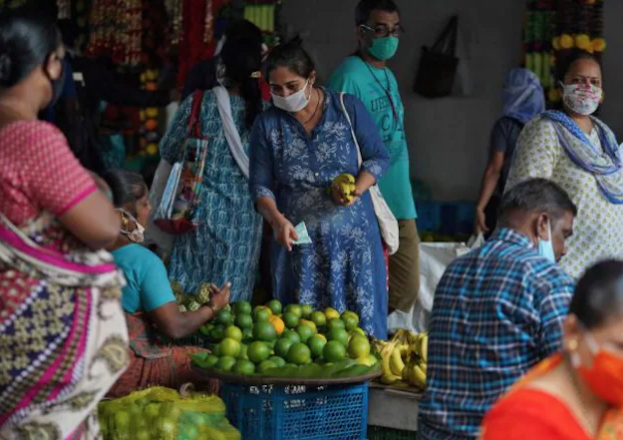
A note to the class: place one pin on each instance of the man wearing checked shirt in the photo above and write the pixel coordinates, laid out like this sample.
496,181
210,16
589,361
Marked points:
498,311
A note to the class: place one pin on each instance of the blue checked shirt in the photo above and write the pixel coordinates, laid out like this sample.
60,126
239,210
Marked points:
498,311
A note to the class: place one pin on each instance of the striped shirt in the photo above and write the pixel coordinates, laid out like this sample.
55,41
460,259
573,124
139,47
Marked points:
498,311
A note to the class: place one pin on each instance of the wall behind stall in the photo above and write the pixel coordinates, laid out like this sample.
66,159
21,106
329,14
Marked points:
448,138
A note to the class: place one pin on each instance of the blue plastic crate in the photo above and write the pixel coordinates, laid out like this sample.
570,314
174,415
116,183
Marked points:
298,412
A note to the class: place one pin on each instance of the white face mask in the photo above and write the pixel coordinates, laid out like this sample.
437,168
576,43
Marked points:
580,99
137,235
293,103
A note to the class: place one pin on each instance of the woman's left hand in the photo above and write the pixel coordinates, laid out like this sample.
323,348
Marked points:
342,199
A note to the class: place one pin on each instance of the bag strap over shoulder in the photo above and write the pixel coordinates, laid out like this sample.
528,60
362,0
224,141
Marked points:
352,131
194,123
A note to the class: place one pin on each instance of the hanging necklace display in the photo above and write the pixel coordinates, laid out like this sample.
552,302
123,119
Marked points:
64,9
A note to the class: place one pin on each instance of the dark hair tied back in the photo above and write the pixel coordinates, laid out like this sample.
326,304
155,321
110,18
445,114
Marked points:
292,56
5,68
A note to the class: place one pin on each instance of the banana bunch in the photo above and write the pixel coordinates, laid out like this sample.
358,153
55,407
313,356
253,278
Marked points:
346,184
191,302
404,359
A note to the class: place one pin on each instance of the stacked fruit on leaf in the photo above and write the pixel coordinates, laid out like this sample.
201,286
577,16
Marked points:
295,341
404,359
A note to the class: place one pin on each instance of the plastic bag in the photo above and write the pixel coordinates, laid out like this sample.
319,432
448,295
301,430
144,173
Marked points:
434,259
164,414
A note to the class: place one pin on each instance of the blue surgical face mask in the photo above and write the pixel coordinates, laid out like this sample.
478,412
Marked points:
546,247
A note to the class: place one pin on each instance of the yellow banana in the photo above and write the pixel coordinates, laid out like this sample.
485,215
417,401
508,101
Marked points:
418,377
423,351
390,379
396,363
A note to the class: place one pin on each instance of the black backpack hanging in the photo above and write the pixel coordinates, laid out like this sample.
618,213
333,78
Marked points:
438,65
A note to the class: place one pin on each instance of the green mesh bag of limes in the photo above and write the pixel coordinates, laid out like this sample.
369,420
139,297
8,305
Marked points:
164,414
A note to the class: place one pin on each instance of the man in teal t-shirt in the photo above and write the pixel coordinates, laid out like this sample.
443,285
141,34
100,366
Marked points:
367,76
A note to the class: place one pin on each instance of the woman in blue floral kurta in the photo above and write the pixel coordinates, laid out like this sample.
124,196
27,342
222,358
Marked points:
294,159
226,245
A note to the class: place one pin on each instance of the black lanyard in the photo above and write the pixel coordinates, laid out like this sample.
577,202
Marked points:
386,90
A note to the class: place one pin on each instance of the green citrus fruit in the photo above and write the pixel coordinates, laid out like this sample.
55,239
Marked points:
340,335
224,317
258,352
244,321
316,345
299,354
278,361
306,311
233,332
275,306
319,319
305,332
335,323
358,347
283,346
351,320
218,332
242,308
291,320
262,314
243,351
265,365
211,361
226,363
295,309
264,331
358,331
244,366
292,335
247,334
229,347
334,351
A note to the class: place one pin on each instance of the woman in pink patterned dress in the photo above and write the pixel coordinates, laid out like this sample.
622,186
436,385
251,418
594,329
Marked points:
63,339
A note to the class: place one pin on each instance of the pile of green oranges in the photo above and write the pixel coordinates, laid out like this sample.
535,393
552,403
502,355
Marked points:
272,340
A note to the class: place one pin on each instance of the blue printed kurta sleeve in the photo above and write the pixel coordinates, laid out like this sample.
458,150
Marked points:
171,143
374,153
261,178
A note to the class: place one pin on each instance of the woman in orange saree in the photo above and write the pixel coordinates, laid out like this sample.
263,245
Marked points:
578,394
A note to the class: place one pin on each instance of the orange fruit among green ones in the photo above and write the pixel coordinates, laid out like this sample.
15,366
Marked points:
283,346
278,361
334,351
229,347
299,354
244,366
233,332
358,347
309,323
226,363
291,320
277,324
331,313
368,360
224,317
262,314
350,320
316,344
305,332
306,311
242,308
318,318
264,331
265,366
340,335
258,352
243,321
295,309
335,323
275,306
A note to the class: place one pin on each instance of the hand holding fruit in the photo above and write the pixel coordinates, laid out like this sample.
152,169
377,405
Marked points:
219,298
344,190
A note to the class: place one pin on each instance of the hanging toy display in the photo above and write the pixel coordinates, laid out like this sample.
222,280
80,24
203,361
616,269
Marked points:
539,30
149,134
264,14
580,26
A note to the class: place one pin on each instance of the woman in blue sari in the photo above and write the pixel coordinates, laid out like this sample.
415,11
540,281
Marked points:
297,149
226,245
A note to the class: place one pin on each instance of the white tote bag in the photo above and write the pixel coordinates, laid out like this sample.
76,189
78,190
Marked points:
387,222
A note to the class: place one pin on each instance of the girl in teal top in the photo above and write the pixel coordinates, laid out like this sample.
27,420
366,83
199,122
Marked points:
148,299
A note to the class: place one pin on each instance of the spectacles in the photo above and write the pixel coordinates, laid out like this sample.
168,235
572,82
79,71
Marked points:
381,31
